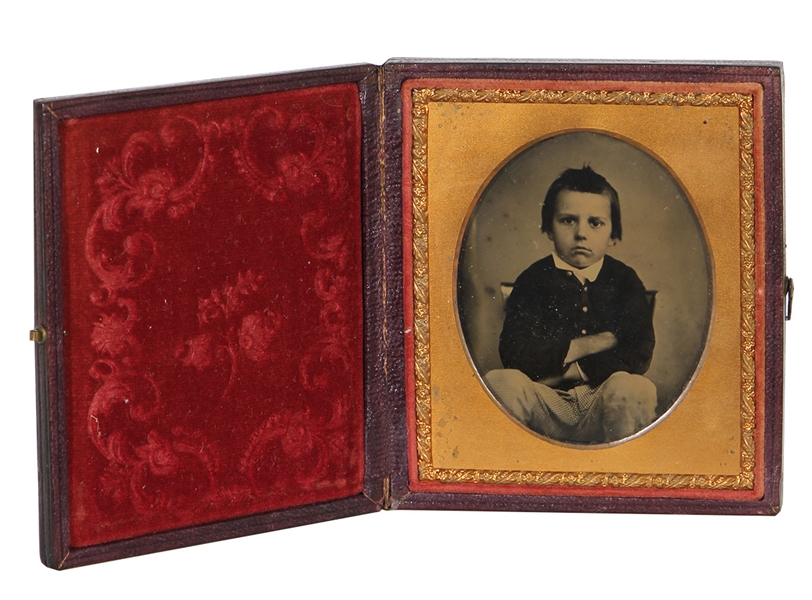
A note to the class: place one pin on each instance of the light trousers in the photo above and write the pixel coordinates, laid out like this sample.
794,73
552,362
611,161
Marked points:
618,408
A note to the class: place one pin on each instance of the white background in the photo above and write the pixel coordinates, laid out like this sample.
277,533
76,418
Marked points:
63,48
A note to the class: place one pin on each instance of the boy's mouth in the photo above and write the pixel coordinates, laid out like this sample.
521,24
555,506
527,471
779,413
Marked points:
581,250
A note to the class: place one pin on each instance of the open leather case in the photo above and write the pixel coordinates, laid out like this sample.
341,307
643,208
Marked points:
272,301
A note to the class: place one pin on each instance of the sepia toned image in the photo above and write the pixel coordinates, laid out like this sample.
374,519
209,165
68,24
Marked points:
584,288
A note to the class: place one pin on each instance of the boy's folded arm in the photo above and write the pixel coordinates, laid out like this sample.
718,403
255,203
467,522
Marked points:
538,359
588,345
631,353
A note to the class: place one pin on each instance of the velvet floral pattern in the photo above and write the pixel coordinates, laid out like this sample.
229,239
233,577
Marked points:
214,323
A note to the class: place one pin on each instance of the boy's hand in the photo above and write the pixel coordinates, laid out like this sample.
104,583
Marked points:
571,374
590,344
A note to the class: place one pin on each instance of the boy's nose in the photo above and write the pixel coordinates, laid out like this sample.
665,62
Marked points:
579,232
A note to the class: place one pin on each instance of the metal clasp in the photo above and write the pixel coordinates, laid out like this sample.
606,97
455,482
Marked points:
38,335
789,293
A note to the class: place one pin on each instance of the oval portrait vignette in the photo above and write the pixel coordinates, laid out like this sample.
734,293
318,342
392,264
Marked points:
588,320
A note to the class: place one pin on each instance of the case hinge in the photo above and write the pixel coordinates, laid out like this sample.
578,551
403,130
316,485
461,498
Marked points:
387,494
789,293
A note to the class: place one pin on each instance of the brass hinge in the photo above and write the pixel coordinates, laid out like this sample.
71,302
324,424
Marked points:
387,493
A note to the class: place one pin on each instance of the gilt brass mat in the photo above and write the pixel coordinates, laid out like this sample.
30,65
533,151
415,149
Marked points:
709,441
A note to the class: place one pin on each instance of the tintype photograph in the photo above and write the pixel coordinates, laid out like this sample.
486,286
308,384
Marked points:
584,288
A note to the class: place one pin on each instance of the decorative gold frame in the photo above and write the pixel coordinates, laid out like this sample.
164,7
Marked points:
421,97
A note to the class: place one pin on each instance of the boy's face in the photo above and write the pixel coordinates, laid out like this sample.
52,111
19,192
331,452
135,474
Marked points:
582,228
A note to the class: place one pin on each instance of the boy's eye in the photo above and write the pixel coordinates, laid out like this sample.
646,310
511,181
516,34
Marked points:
566,220
596,222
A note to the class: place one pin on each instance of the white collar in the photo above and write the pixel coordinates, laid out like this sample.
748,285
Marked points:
589,273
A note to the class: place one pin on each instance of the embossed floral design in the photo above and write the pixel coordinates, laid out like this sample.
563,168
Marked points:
280,155
325,237
200,352
145,181
135,188
256,334
295,446
163,474
298,445
328,359
235,327
171,435
112,333
144,462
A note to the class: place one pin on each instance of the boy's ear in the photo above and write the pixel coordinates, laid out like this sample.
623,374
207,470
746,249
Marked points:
550,236
612,241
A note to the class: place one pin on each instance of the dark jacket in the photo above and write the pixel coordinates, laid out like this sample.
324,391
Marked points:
546,310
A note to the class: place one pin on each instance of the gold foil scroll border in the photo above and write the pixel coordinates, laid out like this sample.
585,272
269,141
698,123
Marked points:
426,470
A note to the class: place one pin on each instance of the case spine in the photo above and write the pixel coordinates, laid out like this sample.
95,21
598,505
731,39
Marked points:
52,504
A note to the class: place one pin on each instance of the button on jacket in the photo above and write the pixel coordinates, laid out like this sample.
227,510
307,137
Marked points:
549,307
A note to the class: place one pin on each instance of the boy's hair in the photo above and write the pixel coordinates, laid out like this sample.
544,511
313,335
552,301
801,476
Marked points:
581,180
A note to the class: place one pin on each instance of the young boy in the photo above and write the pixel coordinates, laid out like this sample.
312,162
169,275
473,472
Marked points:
578,333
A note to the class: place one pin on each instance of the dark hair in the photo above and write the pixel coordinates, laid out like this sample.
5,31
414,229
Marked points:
581,180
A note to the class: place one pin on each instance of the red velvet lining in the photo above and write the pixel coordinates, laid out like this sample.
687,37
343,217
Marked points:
213,310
